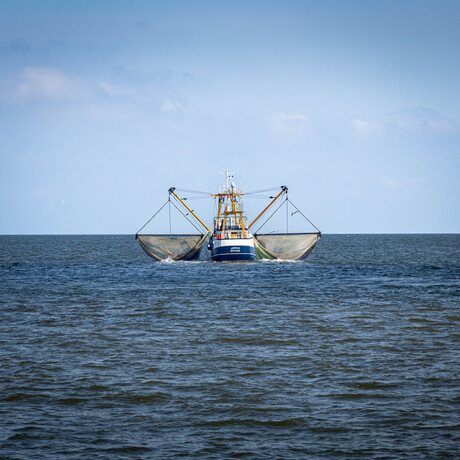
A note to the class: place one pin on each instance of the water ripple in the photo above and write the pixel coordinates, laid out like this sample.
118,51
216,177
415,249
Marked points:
353,353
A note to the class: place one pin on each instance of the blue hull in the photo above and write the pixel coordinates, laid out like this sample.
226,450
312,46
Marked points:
233,253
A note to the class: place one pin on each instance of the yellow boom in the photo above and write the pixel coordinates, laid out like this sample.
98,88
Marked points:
283,190
171,190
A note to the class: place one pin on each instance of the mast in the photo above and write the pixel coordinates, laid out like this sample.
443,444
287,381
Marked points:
230,212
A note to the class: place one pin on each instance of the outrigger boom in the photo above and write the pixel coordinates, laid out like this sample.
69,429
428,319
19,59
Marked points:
171,191
284,189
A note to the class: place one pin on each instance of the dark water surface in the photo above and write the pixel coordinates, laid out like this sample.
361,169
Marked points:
353,353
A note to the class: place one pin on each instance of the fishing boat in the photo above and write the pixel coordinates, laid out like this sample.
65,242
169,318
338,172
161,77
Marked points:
230,236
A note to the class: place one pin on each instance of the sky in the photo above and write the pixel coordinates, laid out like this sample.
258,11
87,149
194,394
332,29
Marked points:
354,105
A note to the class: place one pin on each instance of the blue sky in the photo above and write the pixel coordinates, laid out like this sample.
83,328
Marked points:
353,104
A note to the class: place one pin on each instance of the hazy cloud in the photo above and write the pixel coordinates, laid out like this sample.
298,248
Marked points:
17,45
363,128
111,90
289,126
171,106
415,119
163,77
393,184
49,82
422,119
144,25
389,183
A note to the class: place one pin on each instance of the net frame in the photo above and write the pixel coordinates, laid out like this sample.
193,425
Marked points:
292,252
161,246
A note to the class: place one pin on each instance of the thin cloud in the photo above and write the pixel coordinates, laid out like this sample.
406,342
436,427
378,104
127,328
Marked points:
171,106
393,184
15,46
289,126
52,84
111,90
144,25
363,128
51,87
389,183
49,83
422,119
164,77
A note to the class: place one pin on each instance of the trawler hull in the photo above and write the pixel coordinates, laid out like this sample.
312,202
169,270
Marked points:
232,249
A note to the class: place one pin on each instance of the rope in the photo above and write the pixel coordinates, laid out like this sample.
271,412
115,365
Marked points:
186,217
195,198
169,217
287,201
193,191
276,210
261,191
152,217
287,213
306,218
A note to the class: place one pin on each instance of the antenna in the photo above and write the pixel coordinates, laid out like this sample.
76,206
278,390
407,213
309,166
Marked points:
229,175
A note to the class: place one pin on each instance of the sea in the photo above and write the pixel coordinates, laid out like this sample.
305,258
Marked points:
353,353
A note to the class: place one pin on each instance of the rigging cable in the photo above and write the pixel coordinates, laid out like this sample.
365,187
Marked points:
169,216
152,216
194,191
195,198
186,217
276,210
261,191
287,207
298,210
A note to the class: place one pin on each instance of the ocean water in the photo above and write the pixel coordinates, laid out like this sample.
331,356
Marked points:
353,353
